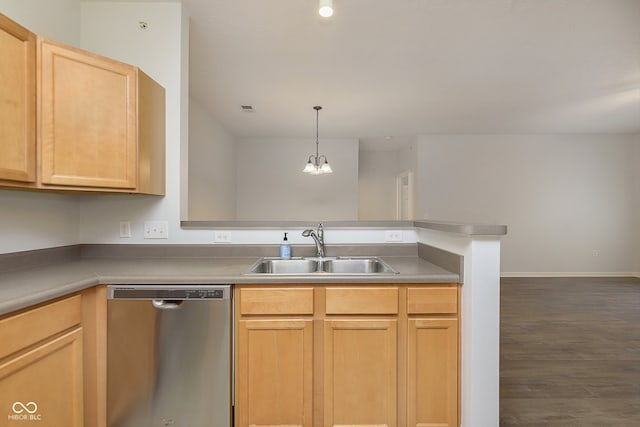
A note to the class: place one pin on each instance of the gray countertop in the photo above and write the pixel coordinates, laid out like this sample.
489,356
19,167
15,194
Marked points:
25,287
36,276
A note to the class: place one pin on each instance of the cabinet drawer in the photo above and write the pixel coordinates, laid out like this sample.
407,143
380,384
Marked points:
276,301
29,327
432,300
361,300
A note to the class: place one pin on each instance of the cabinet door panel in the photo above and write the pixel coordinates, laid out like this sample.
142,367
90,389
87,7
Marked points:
17,102
44,385
432,398
274,374
360,373
88,122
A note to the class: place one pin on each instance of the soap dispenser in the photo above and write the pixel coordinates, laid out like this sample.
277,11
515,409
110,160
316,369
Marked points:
285,248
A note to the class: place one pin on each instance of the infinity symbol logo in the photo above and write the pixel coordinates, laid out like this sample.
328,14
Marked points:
19,407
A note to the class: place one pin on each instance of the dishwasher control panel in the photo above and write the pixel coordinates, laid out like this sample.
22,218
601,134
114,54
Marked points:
169,292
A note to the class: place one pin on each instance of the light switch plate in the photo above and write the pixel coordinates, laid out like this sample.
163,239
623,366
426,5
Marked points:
125,229
156,230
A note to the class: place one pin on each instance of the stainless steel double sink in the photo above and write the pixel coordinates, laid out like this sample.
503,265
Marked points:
316,265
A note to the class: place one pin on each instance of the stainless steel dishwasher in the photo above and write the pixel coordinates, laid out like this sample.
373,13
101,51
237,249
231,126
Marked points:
169,355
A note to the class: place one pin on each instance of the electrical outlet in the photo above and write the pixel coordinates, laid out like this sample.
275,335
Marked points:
125,229
393,236
222,236
156,230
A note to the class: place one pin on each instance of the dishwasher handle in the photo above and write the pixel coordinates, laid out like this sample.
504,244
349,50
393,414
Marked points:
167,304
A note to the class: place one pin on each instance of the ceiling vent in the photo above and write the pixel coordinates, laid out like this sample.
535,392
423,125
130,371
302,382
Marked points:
247,108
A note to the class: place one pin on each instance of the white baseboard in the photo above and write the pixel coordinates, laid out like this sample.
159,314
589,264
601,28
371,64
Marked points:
567,274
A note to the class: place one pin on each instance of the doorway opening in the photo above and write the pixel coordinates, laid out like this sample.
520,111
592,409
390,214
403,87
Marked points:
404,195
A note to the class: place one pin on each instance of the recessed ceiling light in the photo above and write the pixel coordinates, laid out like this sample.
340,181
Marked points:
325,8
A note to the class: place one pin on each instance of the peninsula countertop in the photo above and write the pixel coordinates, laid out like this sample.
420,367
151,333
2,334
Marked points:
29,286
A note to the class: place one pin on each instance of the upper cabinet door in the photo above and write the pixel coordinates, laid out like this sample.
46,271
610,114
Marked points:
88,119
17,102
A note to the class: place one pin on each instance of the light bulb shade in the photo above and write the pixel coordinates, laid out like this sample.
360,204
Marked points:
325,167
326,8
309,167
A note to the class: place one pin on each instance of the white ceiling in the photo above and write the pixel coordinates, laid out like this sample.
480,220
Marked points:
408,67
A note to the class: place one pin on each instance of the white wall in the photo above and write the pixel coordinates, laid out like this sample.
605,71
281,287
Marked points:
271,185
636,205
37,220
377,173
184,114
212,167
55,19
112,29
34,220
408,158
562,197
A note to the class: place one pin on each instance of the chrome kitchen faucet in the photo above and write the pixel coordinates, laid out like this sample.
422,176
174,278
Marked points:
318,237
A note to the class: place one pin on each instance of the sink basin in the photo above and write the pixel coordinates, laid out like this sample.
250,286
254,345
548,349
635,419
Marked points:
313,265
284,266
356,266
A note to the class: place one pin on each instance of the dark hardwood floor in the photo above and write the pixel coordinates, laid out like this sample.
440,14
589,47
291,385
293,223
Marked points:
570,352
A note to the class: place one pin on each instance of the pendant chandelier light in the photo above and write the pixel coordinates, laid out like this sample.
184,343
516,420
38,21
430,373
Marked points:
318,163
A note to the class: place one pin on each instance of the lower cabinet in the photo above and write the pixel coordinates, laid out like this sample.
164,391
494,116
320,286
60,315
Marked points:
433,364
345,355
50,364
360,372
432,394
276,361
45,383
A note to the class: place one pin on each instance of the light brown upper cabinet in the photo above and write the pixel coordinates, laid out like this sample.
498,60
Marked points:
101,122
73,120
17,103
